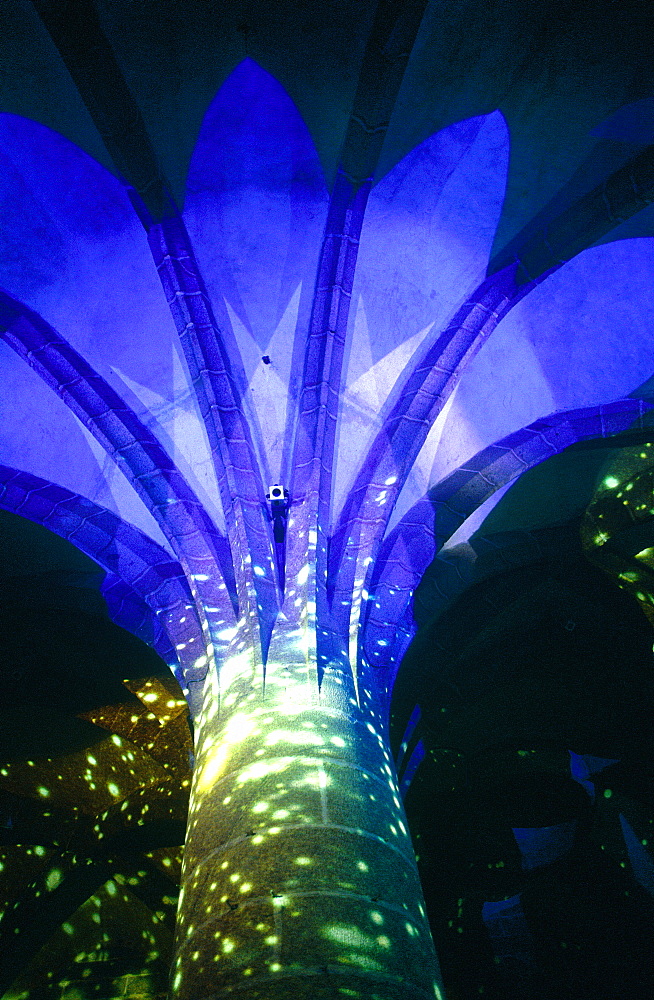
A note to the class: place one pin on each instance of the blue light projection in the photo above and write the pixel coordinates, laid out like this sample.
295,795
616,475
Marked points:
641,860
508,930
299,874
540,845
584,766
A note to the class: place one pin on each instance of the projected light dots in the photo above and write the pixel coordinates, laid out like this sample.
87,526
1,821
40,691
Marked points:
305,788
625,501
85,780
91,795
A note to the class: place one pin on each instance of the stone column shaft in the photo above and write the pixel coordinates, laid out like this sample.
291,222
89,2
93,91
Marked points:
299,875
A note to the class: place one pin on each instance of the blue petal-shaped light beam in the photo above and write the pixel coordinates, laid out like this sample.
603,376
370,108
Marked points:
256,201
73,250
425,241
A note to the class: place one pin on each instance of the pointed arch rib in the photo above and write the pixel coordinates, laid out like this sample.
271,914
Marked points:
425,391
211,368
122,550
136,451
130,612
624,193
420,535
387,52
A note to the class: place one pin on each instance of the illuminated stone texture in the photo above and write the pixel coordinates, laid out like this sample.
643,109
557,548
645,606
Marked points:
298,870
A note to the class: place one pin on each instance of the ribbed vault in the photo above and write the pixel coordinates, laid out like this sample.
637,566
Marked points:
395,259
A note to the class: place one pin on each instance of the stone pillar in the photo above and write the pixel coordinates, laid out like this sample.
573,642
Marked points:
299,875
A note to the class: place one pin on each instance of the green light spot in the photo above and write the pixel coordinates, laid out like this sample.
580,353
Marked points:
43,791
113,789
611,482
607,793
53,879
